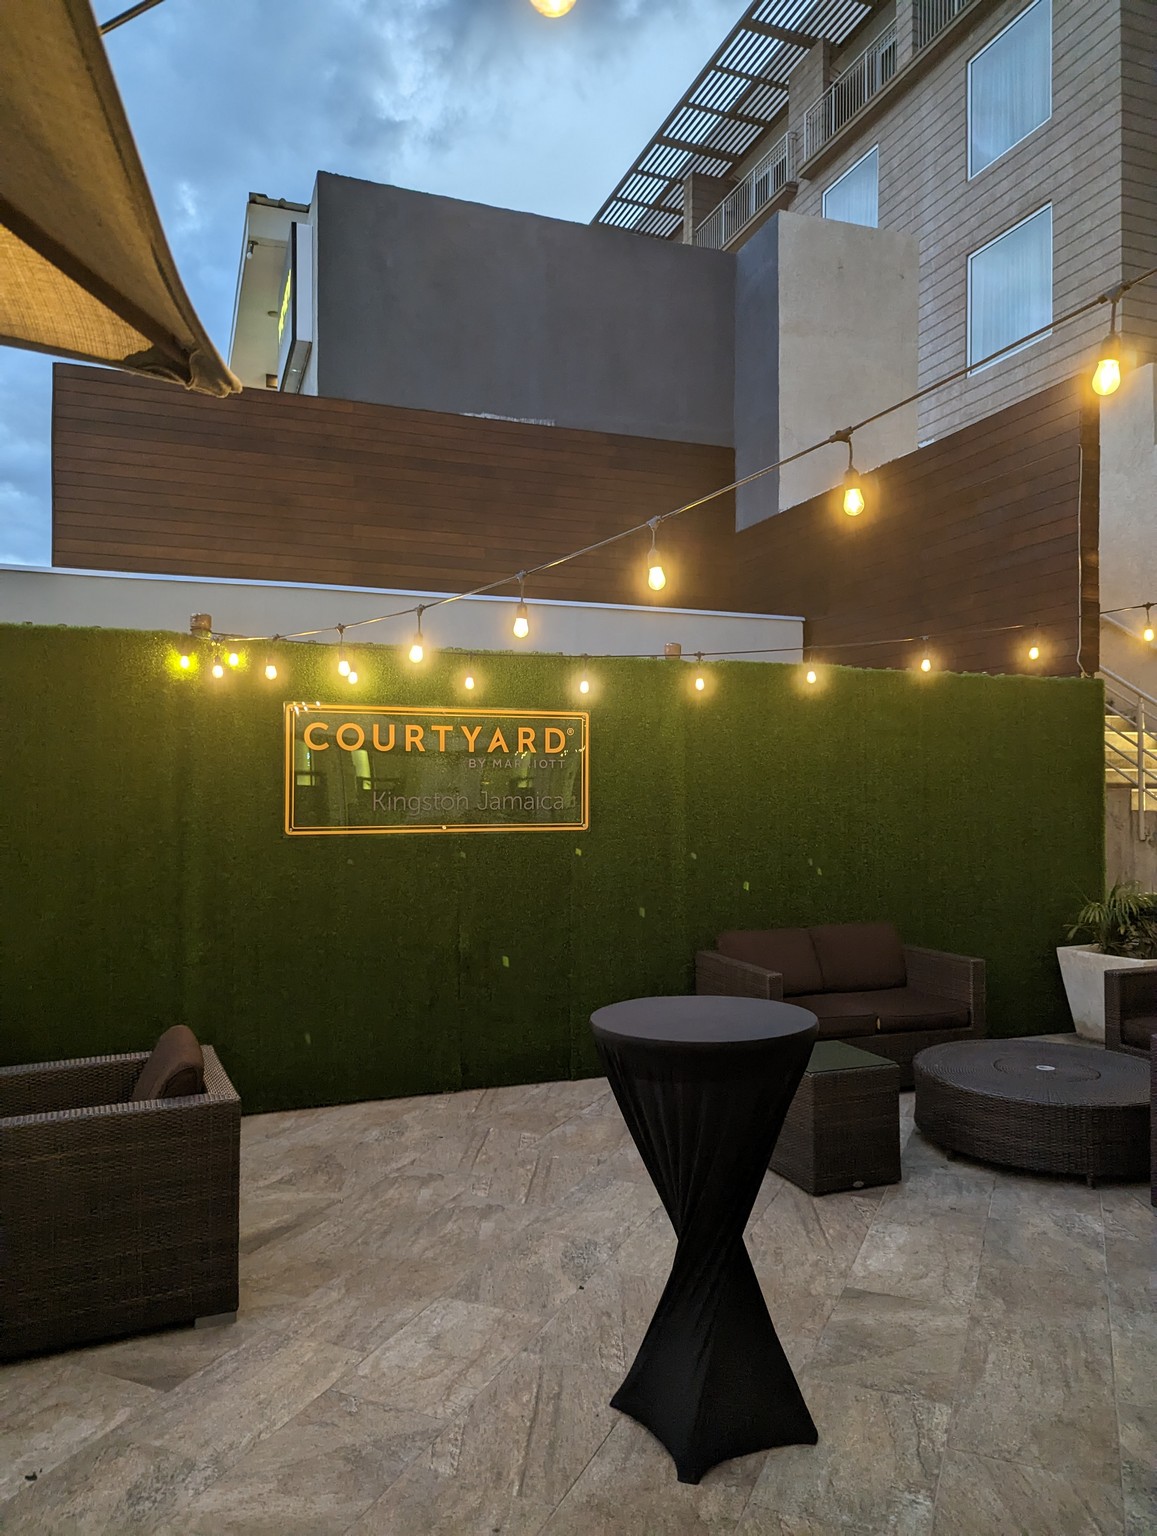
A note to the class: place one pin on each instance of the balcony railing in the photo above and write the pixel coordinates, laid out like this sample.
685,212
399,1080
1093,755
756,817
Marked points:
931,17
767,178
853,89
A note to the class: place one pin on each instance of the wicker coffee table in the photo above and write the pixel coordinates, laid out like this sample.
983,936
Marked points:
843,1128
1051,1108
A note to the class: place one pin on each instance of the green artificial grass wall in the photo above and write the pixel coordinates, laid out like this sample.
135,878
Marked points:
147,880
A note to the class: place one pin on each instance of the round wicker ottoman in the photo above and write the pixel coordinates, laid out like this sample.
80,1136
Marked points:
1052,1108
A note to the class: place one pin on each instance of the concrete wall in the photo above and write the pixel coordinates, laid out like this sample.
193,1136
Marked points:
450,306
113,601
825,333
1128,542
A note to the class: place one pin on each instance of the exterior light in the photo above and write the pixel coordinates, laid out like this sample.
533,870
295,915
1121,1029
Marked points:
584,680
233,659
184,661
351,676
521,624
700,683
656,575
417,644
1034,653
1107,374
811,676
218,669
926,664
853,499
1147,632
468,680
271,669
552,9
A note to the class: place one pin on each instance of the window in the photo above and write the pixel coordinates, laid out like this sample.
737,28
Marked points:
1010,86
854,197
1010,286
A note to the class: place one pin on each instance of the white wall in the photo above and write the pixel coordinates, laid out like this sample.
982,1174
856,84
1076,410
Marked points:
848,320
116,601
1128,524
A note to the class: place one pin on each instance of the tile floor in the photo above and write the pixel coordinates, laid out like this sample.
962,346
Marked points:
440,1295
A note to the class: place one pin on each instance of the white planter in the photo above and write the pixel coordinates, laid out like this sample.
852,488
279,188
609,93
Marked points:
1083,968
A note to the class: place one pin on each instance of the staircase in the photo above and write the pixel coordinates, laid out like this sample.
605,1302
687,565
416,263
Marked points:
1130,782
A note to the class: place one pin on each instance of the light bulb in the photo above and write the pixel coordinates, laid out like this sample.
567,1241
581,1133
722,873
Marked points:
656,576
552,9
584,684
270,670
417,649
811,677
185,662
468,680
926,664
218,669
853,496
1147,633
351,676
521,622
1034,653
234,659
343,666
699,684
1107,376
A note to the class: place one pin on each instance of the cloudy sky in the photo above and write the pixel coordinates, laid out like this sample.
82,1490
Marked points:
480,99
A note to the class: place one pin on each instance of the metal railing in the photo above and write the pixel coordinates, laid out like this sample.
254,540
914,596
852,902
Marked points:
1131,742
765,180
850,91
931,17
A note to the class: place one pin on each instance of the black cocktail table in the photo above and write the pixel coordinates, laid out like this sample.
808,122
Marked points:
704,1084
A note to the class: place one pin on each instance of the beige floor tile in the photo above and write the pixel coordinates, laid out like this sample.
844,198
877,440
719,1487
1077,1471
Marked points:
892,1344
981,1496
110,1488
875,1467
928,1261
164,1360
1137,1425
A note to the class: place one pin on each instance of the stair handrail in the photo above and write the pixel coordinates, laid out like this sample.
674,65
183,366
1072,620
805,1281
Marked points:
1138,704
1139,694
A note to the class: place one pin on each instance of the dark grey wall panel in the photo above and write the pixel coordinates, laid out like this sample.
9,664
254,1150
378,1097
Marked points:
757,373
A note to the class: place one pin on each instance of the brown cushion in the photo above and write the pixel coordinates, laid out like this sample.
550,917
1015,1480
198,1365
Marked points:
174,1070
1136,1031
902,1008
786,950
841,1015
859,957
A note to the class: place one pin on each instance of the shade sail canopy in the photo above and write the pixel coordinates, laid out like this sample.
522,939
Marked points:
85,270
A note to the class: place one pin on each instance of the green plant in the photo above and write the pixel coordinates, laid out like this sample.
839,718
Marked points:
1124,923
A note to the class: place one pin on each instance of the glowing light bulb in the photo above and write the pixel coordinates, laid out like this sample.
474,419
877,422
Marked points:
351,676
468,680
1034,653
218,669
584,684
270,670
553,9
699,684
853,495
1107,376
1147,633
417,649
656,576
926,664
343,666
811,677
185,661
233,659
521,622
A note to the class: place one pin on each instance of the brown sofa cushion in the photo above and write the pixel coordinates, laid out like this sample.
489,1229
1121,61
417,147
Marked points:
859,957
901,1008
175,1069
841,1015
786,950
1136,1031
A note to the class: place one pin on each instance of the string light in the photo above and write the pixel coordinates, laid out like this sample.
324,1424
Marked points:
233,659
811,675
1034,652
468,680
1147,632
271,669
853,500
343,665
700,682
1107,374
656,575
584,680
351,676
521,625
417,648
218,668
184,661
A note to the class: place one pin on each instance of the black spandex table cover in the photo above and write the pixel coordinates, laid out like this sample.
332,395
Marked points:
704,1084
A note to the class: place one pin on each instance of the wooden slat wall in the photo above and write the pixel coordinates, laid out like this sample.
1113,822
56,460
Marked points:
300,489
976,531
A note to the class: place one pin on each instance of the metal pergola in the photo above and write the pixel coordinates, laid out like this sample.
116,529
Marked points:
731,104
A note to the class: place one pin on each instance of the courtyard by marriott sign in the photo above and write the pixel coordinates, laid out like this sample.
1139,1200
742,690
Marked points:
379,769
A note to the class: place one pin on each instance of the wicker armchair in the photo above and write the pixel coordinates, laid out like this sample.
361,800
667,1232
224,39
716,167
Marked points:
1131,1008
115,1217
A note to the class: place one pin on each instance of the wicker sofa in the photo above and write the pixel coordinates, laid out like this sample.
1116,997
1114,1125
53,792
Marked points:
1131,1009
115,1216
863,984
